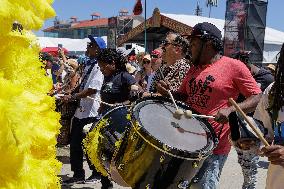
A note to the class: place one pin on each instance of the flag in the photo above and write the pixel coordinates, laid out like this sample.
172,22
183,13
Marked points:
138,9
212,3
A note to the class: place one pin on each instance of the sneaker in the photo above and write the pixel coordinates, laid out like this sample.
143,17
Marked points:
74,180
92,179
107,186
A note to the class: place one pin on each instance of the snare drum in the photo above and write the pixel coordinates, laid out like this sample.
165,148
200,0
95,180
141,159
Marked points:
159,151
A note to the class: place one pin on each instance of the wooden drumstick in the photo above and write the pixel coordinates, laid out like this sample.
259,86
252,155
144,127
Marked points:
188,114
178,113
257,132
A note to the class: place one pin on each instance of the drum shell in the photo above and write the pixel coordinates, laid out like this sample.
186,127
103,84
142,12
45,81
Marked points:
111,133
141,165
145,162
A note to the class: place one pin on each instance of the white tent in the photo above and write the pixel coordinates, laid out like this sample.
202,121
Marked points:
74,46
272,41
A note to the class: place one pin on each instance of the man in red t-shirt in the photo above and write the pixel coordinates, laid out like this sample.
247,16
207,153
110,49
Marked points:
207,87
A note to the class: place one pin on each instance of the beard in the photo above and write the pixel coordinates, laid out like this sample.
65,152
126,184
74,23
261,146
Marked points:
195,61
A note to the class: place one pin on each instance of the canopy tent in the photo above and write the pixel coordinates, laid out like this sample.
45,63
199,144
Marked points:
74,46
53,50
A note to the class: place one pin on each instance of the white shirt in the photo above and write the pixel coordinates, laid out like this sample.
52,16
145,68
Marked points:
89,107
275,174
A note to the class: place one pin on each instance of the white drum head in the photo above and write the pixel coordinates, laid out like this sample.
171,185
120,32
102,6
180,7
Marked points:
184,134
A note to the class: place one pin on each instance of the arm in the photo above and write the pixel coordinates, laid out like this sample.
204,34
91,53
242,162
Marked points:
84,93
247,106
61,52
275,154
92,86
247,86
77,96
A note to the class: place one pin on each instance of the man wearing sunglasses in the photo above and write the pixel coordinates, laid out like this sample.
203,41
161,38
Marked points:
174,49
208,85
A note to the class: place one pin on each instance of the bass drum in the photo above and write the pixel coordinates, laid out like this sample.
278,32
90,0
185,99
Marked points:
159,151
104,136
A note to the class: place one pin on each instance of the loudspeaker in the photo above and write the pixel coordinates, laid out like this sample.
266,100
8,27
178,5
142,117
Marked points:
245,23
255,29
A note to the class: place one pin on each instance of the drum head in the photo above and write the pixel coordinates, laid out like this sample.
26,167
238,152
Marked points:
156,118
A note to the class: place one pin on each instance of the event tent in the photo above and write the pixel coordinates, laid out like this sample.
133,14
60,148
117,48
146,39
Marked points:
74,46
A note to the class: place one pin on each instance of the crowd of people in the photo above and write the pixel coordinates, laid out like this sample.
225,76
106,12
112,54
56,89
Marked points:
196,72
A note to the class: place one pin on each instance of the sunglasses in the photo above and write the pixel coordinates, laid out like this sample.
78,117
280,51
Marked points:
154,56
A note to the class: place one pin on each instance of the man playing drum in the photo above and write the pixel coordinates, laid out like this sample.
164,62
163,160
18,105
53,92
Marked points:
210,82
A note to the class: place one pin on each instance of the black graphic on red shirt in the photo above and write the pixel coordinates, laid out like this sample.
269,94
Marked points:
199,91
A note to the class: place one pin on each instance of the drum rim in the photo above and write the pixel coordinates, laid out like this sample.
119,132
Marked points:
173,151
105,114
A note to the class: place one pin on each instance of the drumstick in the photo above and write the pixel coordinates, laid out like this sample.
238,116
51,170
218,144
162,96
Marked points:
203,116
188,114
172,98
257,132
178,113
99,100
169,91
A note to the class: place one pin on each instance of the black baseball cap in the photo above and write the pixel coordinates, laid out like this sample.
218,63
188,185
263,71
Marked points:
206,29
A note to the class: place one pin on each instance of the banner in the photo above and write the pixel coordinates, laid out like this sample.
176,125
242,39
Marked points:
235,22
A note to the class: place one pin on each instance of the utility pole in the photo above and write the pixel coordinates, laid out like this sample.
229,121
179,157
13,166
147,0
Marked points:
145,26
198,10
211,3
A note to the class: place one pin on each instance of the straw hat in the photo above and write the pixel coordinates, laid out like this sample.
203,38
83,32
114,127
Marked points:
271,67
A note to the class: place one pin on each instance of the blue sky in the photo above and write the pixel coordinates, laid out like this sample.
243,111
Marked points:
83,9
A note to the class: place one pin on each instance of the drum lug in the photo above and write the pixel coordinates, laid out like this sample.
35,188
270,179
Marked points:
121,166
183,184
166,148
195,164
133,137
103,157
148,186
162,158
137,126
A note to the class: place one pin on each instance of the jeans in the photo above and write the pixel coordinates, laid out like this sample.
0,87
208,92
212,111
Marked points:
248,161
209,174
76,146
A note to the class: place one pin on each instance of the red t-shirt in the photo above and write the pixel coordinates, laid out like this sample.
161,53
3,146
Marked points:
209,87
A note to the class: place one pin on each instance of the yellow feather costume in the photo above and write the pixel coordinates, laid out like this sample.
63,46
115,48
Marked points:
28,122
